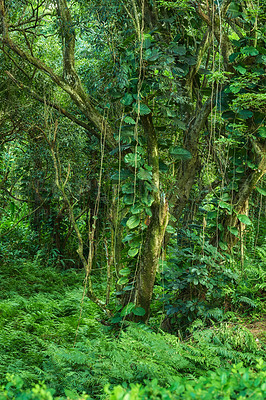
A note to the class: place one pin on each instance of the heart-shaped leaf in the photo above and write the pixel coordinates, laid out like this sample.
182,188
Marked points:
261,191
233,230
133,252
141,109
179,153
133,221
124,271
244,219
139,311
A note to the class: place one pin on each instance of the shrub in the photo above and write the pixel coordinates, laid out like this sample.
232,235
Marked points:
237,383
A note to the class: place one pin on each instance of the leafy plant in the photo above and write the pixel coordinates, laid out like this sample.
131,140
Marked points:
194,279
237,383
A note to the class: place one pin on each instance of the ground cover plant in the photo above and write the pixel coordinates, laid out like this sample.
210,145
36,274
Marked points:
45,337
237,382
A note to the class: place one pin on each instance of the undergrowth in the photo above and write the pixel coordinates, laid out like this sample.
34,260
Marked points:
44,336
237,382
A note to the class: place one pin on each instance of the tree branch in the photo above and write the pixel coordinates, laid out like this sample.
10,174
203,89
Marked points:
57,107
11,195
74,89
68,40
215,24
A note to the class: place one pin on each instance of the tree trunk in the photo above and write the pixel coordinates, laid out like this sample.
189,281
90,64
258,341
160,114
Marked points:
155,232
188,169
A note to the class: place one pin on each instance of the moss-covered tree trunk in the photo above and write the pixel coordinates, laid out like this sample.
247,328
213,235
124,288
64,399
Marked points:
155,232
188,169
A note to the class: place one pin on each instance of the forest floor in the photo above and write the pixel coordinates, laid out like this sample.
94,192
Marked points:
40,310
258,329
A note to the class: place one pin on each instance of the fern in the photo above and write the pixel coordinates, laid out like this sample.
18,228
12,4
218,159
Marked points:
228,343
38,330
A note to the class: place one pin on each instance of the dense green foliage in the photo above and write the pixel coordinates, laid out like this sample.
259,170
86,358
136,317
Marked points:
236,383
45,337
132,209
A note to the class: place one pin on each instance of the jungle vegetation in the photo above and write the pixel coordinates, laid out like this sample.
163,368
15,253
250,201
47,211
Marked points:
132,209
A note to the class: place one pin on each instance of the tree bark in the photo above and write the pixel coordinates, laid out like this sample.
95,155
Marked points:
188,169
155,232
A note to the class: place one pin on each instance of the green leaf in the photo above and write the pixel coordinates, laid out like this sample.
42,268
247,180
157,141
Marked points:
234,10
133,222
128,237
233,56
115,94
128,199
212,214
262,131
128,188
170,229
225,196
190,60
144,175
179,50
147,200
70,394
235,88
127,309
261,191
181,125
249,51
134,160
127,132
148,211
12,207
147,43
122,281
170,113
251,165
229,115
132,252
150,187
128,287
180,72
116,319
136,209
122,176
179,153
222,204
220,227
138,311
223,246
244,219
129,120
245,114
141,109
240,69
127,99
232,186
124,271
240,169
153,55
233,230
148,167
